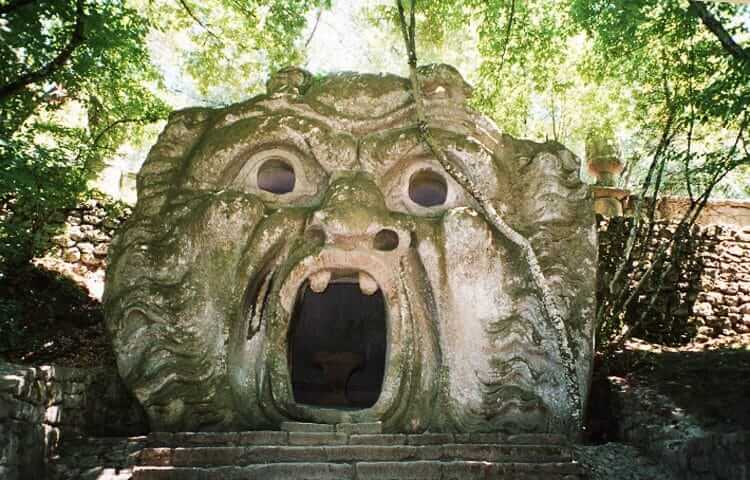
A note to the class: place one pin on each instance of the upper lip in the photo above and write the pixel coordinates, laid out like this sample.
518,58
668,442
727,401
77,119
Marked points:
319,280
369,270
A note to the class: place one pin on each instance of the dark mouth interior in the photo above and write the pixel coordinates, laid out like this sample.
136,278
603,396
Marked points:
337,346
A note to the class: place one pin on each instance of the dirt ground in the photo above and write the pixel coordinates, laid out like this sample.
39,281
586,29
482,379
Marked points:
50,319
710,380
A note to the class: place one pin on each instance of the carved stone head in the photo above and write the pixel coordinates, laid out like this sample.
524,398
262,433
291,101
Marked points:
303,256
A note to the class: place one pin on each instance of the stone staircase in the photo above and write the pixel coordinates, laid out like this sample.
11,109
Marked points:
353,451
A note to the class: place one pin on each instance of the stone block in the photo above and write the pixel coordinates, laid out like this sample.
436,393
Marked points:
280,454
204,438
92,219
155,456
286,471
71,255
306,427
206,456
14,383
101,249
263,437
75,233
380,439
160,438
430,439
360,428
703,309
493,437
515,470
317,438
90,259
712,297
372,453
538,439
420,470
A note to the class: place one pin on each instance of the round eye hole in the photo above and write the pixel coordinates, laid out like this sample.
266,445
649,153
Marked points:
276,176
427,188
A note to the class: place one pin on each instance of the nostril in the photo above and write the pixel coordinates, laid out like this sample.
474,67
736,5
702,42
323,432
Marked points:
385,240
315,234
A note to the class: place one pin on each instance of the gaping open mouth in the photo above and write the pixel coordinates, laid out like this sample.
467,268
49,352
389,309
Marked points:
338,340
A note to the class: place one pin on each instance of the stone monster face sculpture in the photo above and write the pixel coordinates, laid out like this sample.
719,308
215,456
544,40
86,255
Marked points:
302,256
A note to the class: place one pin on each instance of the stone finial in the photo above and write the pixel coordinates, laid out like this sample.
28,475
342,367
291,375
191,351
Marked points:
603,158
289,80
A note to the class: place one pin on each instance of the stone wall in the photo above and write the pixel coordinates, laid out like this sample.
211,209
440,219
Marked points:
708,295
729,213
40,406
723,301
80,250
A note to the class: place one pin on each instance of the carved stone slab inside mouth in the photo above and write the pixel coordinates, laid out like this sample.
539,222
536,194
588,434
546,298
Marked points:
337,340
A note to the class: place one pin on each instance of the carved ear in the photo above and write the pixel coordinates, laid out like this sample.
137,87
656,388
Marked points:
440,81
161,169
292,80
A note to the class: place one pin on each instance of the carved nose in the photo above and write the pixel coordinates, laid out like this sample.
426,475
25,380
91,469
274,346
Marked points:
351,233
353,216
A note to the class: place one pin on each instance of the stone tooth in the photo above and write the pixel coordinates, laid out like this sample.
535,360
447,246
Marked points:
367,284
319,281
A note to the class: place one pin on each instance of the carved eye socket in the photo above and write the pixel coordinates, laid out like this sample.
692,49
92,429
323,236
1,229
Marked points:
276,176
428,188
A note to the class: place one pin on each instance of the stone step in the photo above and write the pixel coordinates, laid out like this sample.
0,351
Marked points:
187,439
241,456
417,470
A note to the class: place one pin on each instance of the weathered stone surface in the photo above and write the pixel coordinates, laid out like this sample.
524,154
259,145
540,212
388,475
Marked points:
306,427
41,405
317,438
430,439
204,277
424,470
385,439
536,456
285,471
363,428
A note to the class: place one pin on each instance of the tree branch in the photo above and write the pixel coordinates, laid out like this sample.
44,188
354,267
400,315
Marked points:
197,20
715,26
508,29
76,39
315,27
104,131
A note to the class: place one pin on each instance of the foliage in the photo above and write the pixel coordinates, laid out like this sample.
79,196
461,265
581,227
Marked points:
684,80
525,61
232,44
74,84
39,184
692,99
669,76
